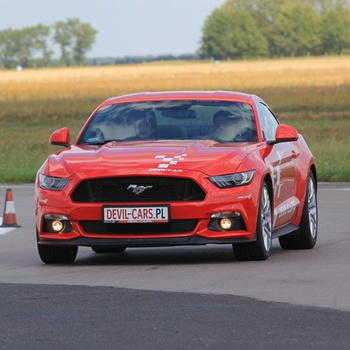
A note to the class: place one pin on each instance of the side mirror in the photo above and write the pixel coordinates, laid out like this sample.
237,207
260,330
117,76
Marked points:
60,137
284,133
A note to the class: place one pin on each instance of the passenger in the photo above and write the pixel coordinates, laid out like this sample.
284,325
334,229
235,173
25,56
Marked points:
228,126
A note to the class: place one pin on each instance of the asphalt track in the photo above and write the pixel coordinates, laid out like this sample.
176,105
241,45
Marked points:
171,298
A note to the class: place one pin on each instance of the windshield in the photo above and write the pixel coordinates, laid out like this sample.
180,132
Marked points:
171,120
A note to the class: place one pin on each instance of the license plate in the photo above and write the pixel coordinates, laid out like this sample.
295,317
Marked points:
131,214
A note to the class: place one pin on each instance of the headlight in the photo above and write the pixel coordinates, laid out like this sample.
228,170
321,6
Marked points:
52,183
233,180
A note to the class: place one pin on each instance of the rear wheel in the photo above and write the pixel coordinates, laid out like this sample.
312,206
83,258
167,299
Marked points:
261,248
307,236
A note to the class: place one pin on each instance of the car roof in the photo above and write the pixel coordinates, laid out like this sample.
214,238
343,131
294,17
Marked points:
183,95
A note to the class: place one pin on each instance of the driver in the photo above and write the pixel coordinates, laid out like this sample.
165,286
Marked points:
145,125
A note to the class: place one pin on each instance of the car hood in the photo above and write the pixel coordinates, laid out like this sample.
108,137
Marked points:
209,157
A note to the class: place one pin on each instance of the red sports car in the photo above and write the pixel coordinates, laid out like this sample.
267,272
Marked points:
177,168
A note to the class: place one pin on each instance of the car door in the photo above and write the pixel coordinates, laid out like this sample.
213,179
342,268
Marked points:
281,160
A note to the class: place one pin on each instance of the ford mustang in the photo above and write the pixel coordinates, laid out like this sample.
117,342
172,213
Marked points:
173,169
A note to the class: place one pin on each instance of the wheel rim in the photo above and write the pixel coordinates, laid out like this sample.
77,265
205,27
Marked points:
312,206
266,219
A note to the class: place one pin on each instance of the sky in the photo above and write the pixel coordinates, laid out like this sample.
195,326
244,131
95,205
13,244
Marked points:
125,27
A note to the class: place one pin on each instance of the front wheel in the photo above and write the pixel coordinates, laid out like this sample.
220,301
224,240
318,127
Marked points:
50,254
261,248
307,236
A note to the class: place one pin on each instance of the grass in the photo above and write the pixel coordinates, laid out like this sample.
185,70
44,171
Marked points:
311,94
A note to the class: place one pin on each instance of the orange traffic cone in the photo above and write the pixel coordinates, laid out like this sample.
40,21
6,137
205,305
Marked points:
9,218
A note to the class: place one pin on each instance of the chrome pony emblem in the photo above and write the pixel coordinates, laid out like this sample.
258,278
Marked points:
138,189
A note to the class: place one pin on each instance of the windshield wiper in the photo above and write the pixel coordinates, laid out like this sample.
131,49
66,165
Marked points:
100,142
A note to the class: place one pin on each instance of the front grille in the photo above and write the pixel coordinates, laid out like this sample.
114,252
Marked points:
120,189
174,226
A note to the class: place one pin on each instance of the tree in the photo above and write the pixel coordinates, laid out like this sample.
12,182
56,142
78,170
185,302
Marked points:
243,28
29,47
85,37
335,33
75,40
7,48
296,29
21,46
16,47
265,14
232,33
213,32
41,34
62,36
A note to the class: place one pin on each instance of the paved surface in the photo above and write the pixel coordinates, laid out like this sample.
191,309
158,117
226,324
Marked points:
193,297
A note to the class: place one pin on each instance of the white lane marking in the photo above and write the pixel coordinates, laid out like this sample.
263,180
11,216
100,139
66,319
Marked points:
17,186
4,230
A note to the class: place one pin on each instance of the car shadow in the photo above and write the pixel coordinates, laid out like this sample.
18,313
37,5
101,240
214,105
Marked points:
215,254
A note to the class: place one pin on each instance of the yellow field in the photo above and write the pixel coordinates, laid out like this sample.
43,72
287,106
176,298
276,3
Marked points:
311,94
106,81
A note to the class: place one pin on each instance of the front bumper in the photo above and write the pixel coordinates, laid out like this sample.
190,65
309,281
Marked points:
87,228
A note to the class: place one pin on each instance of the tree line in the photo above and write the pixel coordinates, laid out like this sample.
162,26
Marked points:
269,28
30,46
238,29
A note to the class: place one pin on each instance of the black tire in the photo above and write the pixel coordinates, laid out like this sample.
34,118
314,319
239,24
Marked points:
260,249
102,250
307,236
50,254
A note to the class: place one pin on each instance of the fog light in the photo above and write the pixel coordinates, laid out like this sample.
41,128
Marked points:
56,223
225,223
57,226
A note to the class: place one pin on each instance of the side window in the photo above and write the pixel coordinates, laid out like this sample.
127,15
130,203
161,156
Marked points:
268,122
